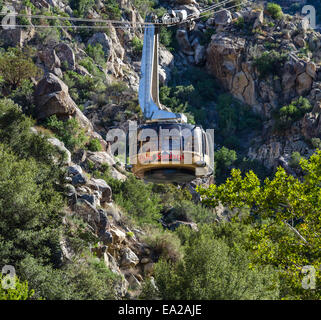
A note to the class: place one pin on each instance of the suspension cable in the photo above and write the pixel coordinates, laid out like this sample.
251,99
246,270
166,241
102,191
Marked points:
126,24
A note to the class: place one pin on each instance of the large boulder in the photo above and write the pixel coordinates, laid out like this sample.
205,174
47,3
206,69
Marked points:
303,84
129,258
66,54
52,97
223,18
104,188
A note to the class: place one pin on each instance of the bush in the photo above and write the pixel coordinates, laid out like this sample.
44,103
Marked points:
165,245
234,116
113,10
293,112
295,160
16,67
15,132
137,199
186,210
97,53
316,142
29,200
137,45
224,158
83,88
269,62
274,10
69,131
95,145
213,268
81,7
88,279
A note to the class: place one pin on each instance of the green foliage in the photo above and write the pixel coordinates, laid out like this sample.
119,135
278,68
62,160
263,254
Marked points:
23,96
15,132
95,145
165,245
20,292
69,131
130,234
286,214
144,7
167,38
15,67
137,44
81,7
269,62
96,52
178,99
295,159
316,142
86,279
274,10
234,116
224,159
29,201
137,199
90,66
213,269
293,112
186,210
113,10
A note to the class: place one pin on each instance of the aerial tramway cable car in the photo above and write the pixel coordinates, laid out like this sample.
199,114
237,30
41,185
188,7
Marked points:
168,149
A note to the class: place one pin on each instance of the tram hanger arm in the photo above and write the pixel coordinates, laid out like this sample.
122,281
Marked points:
149,81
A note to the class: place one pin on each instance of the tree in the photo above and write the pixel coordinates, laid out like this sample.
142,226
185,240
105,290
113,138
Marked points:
224,158
286,213
274,10
15,67
213,269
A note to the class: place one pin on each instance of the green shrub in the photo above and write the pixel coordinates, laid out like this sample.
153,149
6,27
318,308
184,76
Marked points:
69,131
295,159
269,62
234,116
224,159
213,268
113,10
293,112
186,210
86,279
274,10
81,7
165,245
82,88
137,199
316,142
95,145
16,67
97,53
137,44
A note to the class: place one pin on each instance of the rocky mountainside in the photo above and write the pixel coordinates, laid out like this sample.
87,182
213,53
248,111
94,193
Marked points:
91,75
